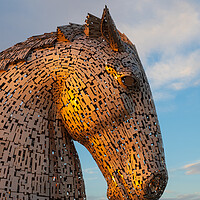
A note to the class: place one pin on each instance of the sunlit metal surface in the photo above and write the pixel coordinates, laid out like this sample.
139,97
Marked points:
83,82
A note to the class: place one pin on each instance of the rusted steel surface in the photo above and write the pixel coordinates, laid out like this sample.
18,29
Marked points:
84,83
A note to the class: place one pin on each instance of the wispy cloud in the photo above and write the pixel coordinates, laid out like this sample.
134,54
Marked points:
93,170
169,44
195,196
91,174
193,168
163,95
170,192
91,178
96,198
177,73
189,169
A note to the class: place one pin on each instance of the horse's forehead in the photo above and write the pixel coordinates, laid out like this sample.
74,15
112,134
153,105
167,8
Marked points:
101,53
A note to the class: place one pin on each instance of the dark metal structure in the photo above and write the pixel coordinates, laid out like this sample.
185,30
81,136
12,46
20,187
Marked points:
84,83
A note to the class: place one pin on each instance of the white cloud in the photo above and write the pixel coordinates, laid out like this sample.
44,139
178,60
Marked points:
91,178
172,33
195,196
193,168
190,169
96,198
169,28
177,72
162,95
170,191
93,170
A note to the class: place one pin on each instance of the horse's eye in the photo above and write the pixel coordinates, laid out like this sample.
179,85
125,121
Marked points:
129,81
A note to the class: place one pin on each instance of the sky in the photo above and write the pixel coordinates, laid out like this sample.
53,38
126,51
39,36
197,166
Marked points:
167,36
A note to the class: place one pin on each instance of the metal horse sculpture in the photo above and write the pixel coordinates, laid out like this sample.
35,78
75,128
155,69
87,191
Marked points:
83,83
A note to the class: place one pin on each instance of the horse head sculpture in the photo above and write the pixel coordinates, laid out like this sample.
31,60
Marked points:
94,90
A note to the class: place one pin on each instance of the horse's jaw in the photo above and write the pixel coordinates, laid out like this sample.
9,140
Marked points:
129,155
129,173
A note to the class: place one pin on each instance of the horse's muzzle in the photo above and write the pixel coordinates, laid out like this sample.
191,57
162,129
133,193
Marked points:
152,188
155,185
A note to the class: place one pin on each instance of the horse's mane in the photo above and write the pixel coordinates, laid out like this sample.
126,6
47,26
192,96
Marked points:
20,51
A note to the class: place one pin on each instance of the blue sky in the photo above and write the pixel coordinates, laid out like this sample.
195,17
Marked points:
167,37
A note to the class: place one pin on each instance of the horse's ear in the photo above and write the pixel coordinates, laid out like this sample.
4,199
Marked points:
92,26
110,32
105,27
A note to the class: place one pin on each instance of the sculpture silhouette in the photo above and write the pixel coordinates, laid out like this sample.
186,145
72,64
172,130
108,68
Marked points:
83,83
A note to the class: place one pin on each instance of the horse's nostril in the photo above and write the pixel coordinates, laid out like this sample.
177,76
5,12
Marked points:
152,188
155,185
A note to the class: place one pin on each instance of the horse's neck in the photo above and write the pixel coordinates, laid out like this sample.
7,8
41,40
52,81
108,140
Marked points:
38,158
